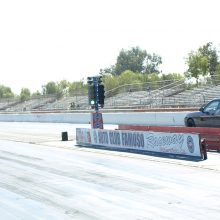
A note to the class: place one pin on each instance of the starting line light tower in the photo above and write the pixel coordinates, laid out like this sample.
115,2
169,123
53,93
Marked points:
96,96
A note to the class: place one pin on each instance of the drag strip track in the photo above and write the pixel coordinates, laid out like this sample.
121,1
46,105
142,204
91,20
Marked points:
40,181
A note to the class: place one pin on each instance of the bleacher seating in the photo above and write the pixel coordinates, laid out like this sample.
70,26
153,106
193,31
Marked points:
31,104
78,102
172,95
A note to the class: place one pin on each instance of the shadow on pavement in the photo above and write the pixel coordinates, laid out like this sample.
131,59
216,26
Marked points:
147,153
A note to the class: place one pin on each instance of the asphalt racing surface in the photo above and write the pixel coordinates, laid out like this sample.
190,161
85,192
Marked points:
42,177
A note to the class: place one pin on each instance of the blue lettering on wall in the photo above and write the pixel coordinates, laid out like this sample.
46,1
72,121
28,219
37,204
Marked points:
103,137
132,139
154,140
114,138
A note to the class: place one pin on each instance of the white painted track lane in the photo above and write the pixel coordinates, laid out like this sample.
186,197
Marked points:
52,179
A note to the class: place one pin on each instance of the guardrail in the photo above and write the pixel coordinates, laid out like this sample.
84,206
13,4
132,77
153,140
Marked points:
179,144
211,135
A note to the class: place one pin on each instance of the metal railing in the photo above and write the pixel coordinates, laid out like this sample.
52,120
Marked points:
160,94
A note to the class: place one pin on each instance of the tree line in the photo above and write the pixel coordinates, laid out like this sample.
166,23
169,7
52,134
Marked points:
203,62
59,89
132,66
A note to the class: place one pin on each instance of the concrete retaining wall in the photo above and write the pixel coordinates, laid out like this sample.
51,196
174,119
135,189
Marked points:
132,118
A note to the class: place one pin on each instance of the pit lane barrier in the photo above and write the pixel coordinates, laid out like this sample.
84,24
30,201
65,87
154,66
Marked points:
133,138
210,135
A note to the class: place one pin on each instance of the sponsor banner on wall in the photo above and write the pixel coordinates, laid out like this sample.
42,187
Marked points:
174,143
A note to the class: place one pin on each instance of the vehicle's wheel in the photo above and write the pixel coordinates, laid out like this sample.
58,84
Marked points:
190,123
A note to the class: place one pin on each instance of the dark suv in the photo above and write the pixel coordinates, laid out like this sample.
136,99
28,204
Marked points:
207,116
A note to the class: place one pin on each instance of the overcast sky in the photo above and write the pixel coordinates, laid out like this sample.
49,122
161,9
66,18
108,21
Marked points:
51,40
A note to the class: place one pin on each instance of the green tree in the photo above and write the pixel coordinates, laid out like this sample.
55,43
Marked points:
130,60
51,88
151,63
153,79
128,77
25,94
110,82
77,87
5,92
204,61
106,71
35,94
217,71
211,55
172,76
137,61
62,87
217,74
197,65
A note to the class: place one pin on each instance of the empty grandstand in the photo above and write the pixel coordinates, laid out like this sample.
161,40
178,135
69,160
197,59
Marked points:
29,105
175,94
